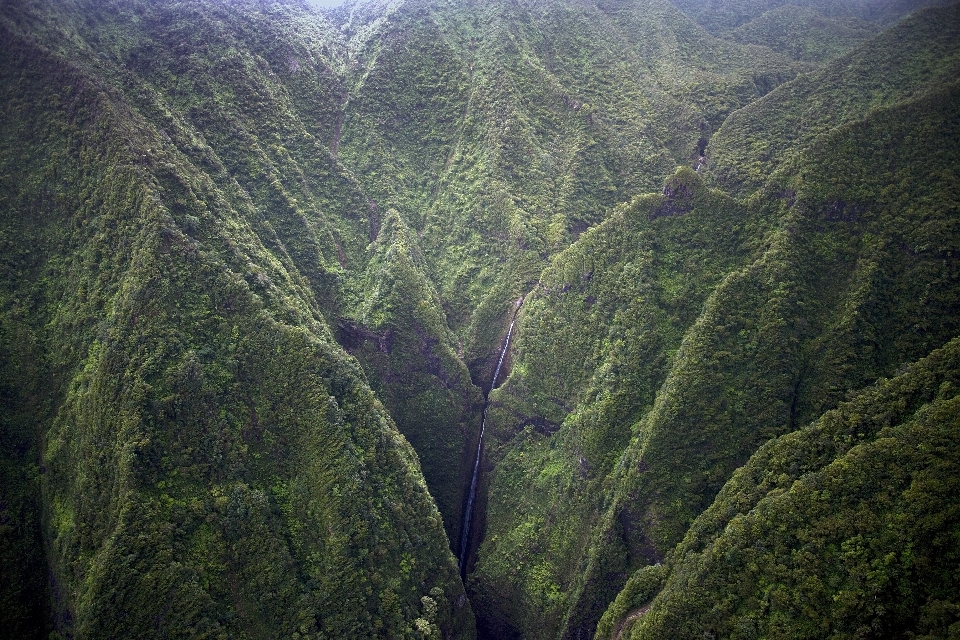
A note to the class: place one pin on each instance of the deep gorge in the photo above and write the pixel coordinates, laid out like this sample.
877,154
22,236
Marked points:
466,532
497,319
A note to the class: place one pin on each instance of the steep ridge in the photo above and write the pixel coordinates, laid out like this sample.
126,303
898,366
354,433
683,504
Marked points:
325,134
844,527
529,120
209,461
245,246
410,357
255,98
475,124
915,56
826,305
874,325
591,350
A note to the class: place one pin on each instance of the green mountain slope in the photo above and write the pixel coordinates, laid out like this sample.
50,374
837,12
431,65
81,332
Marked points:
873,325
723,17
475,124
846,527
503,130
410,356
918,55
210,461
255,100
593,346
259,265
437,111
804,34
826,304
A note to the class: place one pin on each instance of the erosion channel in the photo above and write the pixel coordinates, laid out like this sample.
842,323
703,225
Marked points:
466,530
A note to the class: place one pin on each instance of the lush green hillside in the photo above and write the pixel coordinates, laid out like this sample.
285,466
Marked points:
916,56
594,344
207,461
804,34
259,264
723,17
470,124
404,345
846,528
614,442
503,130
498,133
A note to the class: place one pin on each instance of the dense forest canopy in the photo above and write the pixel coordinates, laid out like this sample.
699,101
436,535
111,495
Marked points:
262,261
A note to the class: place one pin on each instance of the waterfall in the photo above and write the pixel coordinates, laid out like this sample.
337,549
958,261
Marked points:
472,495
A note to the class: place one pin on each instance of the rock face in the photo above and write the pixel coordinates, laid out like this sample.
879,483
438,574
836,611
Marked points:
259,264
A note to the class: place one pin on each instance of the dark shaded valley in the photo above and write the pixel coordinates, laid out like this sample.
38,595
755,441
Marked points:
690,269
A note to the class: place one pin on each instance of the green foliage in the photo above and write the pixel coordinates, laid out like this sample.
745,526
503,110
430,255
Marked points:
24,607
804,34
403,114
410,356
213,464
501,131
721,18
847,527
825,305
750,370
918,55
633,601
252,254
593,345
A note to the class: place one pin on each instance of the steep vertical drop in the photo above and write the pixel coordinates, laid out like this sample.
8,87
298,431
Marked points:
472,495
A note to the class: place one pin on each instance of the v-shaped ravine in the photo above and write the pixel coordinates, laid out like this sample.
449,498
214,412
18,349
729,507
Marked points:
467,523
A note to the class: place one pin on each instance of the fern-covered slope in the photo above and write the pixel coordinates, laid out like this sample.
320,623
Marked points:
915,56
209,461
245,244
614,452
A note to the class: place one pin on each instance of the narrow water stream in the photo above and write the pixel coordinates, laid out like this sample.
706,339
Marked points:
472,495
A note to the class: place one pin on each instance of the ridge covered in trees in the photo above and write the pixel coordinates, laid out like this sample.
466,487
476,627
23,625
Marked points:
259,263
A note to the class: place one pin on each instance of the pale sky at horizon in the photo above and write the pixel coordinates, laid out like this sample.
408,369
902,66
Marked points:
326,4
